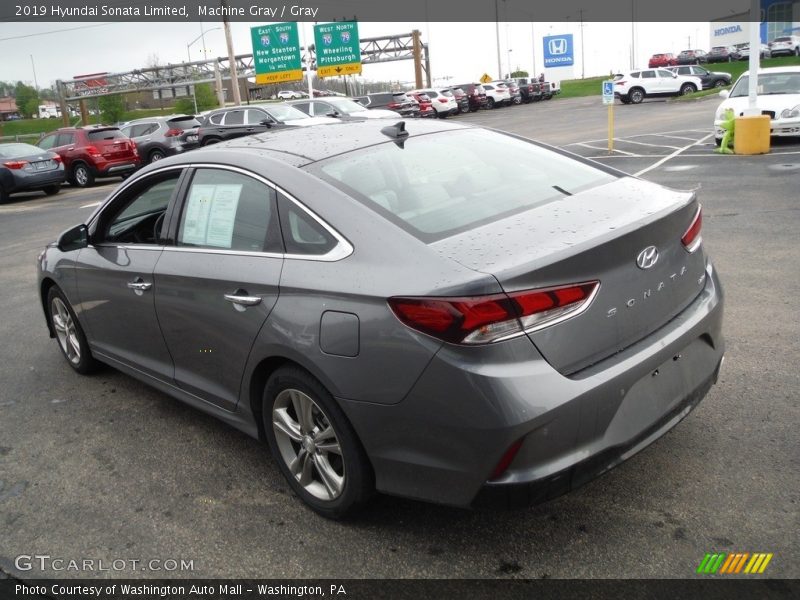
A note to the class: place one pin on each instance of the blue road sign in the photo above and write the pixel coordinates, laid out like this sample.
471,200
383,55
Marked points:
559,50
608,92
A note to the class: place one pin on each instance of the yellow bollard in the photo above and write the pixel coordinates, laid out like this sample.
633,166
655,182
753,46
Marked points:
751,135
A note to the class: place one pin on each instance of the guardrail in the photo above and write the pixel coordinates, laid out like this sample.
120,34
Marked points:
21,137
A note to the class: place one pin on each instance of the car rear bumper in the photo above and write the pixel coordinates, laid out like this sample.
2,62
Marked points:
470,405
23,180
108,168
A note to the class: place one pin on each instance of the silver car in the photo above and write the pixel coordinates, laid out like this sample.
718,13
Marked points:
496,326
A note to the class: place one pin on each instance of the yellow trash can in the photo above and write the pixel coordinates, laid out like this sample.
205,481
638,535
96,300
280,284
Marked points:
751,135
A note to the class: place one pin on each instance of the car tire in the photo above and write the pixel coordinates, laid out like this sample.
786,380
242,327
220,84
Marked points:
720,83
81,176
688,88
717,142
442,114
490,103
4,195
636,95
69,333
155,155
52,190
297,412
624,100
209,141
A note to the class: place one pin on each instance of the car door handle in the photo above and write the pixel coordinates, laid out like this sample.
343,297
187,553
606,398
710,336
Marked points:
139,286
240,298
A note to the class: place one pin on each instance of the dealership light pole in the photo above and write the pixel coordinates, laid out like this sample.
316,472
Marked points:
755,55
497,37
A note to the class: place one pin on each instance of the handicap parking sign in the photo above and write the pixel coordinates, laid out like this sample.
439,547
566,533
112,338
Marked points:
608,92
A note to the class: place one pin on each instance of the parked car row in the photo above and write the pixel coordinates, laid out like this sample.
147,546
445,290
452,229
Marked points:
788,45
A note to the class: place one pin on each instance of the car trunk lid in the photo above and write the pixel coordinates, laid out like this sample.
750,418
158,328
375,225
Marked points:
596,234
112,143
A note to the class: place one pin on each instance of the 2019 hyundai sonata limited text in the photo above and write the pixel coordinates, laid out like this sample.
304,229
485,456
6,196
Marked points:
495,326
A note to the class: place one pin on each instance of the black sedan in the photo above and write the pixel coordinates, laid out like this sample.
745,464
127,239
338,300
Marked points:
25,168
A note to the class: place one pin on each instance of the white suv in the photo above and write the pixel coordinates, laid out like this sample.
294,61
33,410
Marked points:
634,86
442,100
289,95
788,44
497,94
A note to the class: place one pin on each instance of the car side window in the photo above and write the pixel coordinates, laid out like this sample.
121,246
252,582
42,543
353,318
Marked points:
255,116
137,216
229,211
216,119
636,74
664,73
65,139
148,128
302,233
648,74
234,117
303,106
47,142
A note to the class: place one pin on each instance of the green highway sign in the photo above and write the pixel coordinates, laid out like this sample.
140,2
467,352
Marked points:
276,53
338,48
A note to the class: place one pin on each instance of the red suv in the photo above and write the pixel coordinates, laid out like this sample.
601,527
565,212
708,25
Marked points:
94,151
662,60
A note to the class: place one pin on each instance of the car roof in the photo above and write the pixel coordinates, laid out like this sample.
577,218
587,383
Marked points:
300,146
768,70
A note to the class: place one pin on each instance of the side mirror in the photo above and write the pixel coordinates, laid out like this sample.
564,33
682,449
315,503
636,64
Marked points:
266,123
724,93
674,75
332,113
73,239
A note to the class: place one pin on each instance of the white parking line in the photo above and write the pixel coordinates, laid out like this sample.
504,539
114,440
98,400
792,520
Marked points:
585,145
624,141
673,155
91,205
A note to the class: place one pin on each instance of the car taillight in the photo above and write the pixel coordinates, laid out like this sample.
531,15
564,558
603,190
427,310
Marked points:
620,82
15,164
173,132
692,239
92,151
487,319
442,100
57,158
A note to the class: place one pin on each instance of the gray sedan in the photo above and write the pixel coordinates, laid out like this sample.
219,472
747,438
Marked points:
494,327
25,168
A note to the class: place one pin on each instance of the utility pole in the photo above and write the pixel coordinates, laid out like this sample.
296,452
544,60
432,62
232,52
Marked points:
497,37
533,52
33,66
237,98
417,51
583,64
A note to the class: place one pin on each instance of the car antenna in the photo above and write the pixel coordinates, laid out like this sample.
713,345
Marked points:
396,131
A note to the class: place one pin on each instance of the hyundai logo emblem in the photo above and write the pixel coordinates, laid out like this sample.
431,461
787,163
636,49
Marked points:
647,257
558,46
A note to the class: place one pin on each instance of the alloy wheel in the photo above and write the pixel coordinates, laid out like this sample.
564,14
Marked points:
65,331
308,444
81,176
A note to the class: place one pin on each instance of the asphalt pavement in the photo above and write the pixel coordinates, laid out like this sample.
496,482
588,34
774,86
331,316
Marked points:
104,467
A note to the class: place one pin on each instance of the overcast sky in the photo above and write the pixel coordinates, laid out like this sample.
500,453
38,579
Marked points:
463,51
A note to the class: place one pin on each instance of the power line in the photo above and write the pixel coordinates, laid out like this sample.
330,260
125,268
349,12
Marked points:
19,37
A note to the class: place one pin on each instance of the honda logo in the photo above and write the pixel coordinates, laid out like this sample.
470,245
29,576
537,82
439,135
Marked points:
557,46
647,257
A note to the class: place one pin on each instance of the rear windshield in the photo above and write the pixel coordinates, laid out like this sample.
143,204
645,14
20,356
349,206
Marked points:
478,177
769,84
783,39
183,123
105,134
17,150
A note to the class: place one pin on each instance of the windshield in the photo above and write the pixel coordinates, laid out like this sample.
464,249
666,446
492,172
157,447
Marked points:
16,150
284,112
479,177
769,84
345,105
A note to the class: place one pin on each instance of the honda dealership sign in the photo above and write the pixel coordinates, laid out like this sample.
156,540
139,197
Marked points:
558,51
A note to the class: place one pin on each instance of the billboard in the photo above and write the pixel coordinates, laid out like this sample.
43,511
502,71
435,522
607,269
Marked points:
559,51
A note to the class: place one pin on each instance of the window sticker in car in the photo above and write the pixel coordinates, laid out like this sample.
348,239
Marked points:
210,215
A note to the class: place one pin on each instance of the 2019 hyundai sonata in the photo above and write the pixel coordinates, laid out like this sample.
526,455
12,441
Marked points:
495,326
